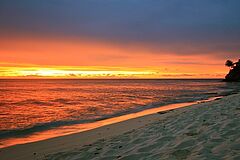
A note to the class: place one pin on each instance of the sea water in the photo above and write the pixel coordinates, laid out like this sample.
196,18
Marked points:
28,106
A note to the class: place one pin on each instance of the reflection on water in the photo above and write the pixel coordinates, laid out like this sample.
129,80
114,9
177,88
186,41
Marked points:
28,106
66,130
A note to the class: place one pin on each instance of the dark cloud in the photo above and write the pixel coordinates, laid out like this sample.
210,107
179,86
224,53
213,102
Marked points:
183,27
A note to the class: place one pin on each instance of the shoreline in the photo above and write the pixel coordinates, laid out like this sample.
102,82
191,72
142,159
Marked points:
77,128
41,148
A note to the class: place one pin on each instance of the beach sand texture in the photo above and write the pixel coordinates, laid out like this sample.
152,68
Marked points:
208,130
204,131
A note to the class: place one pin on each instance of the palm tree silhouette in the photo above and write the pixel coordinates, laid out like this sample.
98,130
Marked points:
229,63
234,73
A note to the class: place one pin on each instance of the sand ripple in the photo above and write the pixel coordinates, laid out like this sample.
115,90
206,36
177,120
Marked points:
200,132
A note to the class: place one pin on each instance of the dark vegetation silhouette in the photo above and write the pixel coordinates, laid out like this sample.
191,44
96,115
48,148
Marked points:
234,73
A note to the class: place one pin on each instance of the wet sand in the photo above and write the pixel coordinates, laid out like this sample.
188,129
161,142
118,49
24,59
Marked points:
208,130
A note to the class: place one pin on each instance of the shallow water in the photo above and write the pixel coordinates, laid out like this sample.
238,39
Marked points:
28,106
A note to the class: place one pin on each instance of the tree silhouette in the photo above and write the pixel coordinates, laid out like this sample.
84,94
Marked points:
234,73
229,63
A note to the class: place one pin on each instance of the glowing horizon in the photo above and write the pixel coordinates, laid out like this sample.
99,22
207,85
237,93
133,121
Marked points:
95,72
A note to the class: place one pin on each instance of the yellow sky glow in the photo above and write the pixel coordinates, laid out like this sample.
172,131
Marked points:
95,72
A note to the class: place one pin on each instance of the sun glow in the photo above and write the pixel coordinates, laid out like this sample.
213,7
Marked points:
83,74
74,72
93,72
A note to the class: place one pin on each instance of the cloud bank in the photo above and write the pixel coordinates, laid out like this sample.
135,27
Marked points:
182,27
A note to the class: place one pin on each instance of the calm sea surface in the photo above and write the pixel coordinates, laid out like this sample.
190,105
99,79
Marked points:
30,105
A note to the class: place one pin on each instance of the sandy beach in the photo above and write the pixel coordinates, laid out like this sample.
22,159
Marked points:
207,130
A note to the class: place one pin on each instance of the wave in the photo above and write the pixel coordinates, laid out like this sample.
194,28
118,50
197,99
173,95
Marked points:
32,101
42,103
38,128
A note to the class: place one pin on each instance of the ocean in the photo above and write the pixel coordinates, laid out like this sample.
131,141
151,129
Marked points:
28,106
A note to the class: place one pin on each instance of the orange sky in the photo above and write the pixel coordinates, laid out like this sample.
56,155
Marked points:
118,39
28,56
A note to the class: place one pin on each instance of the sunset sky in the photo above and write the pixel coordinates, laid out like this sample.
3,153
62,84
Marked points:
118,38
